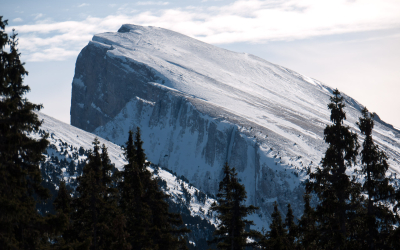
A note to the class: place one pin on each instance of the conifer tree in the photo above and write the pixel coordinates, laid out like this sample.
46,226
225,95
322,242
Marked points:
231,211
62,204
338,194
132,192
139,155
277,237
95,208
88,202
148,222
378,218
21,227
167,230
291,227
307,227
112,228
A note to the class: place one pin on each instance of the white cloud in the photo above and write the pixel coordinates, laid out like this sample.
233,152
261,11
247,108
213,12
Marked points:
242,21
52,54
37,16
152,3
83,5
17,19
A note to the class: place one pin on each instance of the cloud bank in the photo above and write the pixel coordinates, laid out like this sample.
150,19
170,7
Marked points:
18,19
83,5
253,21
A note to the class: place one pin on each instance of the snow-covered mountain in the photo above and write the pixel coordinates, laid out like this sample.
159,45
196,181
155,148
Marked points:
67,153
199,106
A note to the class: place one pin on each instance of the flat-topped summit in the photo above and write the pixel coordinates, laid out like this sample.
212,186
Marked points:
199,106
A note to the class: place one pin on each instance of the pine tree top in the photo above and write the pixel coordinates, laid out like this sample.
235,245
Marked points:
231,209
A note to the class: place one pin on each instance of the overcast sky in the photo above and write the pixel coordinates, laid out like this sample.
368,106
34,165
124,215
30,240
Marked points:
352,45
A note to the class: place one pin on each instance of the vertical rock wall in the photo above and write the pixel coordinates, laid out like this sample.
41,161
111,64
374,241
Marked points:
111,95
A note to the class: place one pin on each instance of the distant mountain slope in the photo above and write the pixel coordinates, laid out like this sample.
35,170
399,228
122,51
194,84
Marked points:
199,106
66,156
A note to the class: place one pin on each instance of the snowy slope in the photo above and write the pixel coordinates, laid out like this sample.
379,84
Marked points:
60,132
66,156
199,105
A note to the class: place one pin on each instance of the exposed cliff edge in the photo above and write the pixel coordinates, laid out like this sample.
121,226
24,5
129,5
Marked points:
199,105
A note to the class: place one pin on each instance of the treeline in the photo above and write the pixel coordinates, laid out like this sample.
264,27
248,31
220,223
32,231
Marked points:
355,209
117,210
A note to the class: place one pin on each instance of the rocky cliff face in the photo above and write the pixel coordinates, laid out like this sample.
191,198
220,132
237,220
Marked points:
199,106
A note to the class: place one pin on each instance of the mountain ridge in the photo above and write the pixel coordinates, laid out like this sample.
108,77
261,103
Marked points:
199,106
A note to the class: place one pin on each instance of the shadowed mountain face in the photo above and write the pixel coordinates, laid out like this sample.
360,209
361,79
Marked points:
199,106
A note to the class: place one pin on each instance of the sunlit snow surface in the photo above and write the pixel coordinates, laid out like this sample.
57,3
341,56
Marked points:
61,132
284,102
